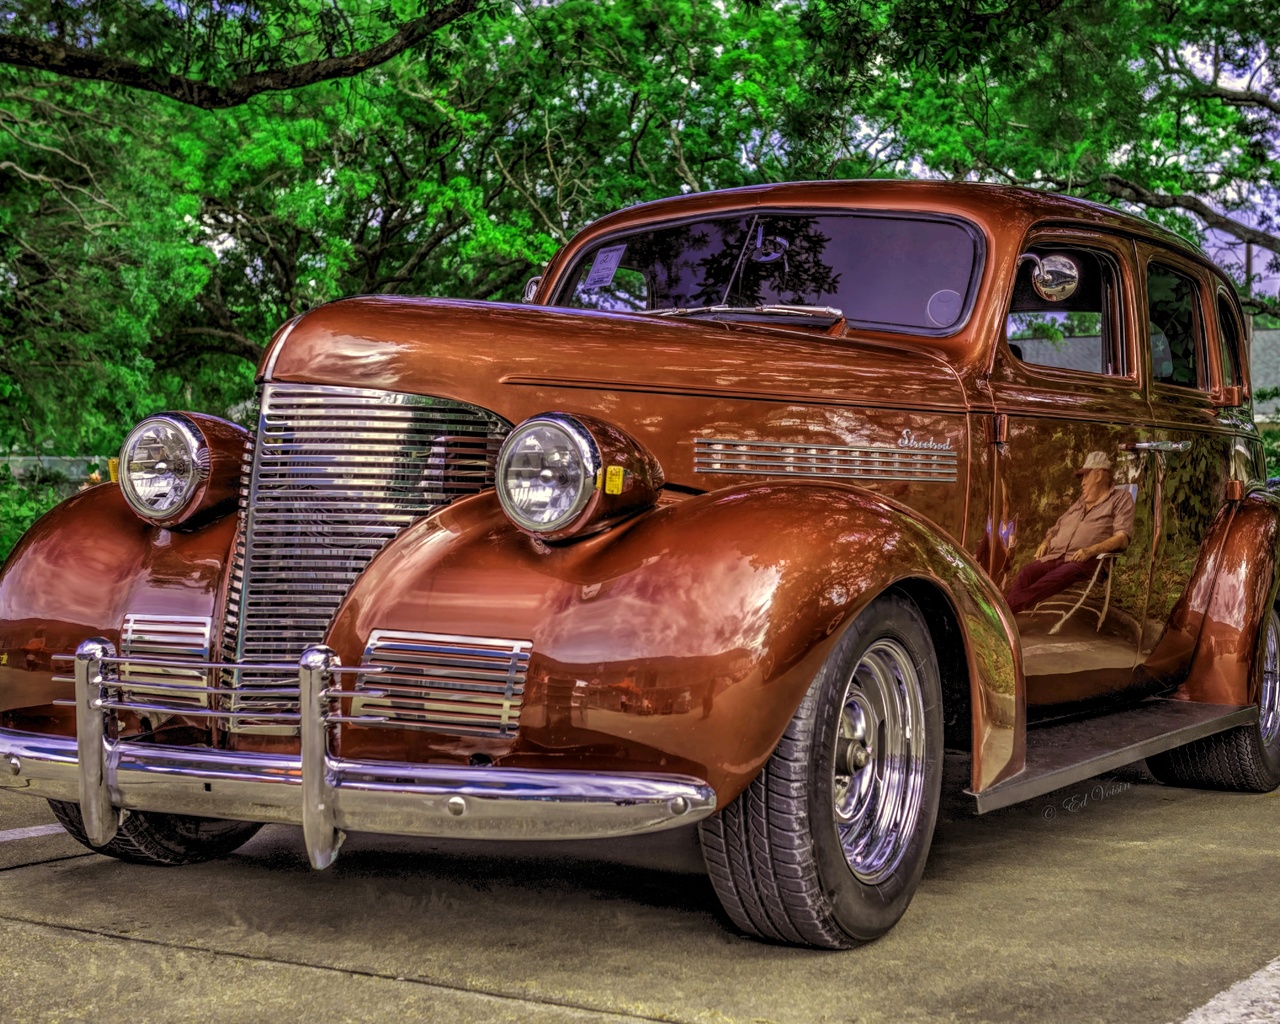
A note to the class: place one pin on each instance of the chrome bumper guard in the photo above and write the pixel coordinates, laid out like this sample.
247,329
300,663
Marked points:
324,794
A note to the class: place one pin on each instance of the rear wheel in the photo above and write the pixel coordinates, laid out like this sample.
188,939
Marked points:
147,837
1245,759
826,846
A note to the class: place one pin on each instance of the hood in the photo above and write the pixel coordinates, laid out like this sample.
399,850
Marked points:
690,391
488,353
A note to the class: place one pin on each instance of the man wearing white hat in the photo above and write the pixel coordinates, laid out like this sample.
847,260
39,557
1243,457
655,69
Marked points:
1099,521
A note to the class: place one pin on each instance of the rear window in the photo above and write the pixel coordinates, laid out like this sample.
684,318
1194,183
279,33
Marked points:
896,272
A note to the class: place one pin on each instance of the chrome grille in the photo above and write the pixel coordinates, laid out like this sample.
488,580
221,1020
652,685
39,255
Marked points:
335,474
174,638
865,462
454,684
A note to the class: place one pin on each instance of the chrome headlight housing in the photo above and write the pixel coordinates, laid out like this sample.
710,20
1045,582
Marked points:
163,465
562,476
546,472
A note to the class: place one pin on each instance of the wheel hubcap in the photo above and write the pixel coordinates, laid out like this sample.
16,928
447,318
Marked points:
1269,702
879,763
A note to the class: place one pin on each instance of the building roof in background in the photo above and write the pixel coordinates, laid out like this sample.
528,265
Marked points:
1264,371
1083,353
1074,353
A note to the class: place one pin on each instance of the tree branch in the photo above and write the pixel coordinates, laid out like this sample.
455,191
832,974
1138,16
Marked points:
1256,304
78,62
169,352
1134,193
1237,97
1196,86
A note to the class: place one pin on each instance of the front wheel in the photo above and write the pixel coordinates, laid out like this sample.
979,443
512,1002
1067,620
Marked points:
1245,759
148,837
826,846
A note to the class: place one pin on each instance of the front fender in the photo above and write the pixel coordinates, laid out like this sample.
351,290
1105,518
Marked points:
76,574
684,639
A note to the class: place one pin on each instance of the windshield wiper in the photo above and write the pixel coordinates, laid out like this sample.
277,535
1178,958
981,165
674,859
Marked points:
782,309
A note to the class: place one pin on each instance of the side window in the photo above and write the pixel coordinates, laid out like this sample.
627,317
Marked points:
608,283
1232,341
1075,333
1174,318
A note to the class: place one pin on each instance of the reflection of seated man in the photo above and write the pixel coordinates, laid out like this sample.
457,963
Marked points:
1100,520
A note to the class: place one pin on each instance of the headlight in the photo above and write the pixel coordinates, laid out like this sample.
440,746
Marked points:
163,463
562,476
546,472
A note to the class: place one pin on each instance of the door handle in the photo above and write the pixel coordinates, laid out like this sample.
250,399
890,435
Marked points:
1157,446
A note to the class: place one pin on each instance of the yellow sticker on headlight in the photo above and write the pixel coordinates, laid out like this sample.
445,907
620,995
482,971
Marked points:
613,480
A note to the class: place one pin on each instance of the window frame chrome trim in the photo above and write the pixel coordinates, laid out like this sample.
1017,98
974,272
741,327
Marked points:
981,248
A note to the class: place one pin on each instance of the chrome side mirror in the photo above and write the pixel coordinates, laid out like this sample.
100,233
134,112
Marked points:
531,288
1054,278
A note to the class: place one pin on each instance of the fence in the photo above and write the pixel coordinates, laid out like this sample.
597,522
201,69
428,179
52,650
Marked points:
74,467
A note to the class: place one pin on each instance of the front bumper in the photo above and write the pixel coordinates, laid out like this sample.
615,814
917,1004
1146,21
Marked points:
324,794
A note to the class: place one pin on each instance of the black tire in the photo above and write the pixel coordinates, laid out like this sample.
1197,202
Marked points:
1245,759
165,840
775,855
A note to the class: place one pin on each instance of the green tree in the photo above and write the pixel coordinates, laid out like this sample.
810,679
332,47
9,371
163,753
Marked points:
171,240
216,55
1169,109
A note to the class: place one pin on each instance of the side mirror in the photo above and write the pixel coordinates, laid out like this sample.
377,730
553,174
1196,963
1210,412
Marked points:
1054,277
531,288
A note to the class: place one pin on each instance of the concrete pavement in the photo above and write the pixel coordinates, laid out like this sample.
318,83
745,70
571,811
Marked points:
1116,900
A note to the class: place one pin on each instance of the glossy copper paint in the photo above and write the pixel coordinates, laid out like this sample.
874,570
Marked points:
1053,419
75,575
92,560
682,640
219,491
673,383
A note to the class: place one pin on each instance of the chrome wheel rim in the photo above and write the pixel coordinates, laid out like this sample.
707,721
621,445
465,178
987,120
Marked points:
1269,700
879,761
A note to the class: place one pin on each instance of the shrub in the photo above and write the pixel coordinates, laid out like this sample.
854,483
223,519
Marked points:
1271,448
24,501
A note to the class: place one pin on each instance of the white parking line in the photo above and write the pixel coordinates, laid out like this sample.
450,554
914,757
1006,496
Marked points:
1256,1000
30,833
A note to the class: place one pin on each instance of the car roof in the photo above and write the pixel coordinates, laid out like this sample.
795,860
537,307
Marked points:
1005,213
988,203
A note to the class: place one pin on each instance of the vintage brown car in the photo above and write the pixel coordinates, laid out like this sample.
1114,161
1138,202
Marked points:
769,497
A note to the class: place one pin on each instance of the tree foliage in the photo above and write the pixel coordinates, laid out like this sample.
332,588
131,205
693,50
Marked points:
1167,107
148,249
212,54
156,226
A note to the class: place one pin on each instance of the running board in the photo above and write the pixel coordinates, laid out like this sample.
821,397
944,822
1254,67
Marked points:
1068,752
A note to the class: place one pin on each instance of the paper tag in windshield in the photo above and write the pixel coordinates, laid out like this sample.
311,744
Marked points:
604,266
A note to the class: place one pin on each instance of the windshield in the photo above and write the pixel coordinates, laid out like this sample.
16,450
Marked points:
890,271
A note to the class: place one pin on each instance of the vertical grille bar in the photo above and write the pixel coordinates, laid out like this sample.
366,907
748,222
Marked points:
335,474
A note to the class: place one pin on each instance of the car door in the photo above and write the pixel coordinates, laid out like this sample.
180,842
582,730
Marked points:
1066,377
1190,442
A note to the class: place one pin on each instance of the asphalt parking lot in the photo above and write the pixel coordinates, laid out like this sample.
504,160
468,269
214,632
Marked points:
1116,900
